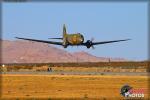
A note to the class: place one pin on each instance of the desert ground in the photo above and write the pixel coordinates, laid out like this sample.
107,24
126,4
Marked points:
101,81
104,87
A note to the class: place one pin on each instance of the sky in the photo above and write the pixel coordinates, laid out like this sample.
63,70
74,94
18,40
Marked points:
99,20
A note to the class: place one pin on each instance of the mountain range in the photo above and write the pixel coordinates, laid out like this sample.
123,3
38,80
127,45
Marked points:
20,51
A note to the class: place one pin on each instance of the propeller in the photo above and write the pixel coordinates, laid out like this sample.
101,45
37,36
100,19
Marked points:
92,39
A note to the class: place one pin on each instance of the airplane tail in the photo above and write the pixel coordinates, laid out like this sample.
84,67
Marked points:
64,31
64,36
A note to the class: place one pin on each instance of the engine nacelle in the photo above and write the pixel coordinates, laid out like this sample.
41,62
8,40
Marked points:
88,43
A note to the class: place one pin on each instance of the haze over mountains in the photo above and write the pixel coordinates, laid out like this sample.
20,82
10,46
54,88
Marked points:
34,52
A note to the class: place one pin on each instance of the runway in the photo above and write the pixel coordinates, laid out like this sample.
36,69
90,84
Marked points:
79,73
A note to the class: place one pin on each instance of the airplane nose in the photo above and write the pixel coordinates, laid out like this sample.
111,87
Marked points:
80,40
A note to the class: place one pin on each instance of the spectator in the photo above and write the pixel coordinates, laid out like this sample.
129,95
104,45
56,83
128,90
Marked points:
49,69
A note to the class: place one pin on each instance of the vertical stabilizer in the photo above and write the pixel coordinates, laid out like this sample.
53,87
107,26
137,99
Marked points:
64,36
64,31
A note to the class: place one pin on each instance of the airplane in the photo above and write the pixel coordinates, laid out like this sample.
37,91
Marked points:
76,39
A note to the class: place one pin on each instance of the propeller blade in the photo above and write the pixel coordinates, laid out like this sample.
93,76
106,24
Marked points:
93,47
92,39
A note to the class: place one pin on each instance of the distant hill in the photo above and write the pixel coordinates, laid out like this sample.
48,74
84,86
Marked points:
34,52
86,57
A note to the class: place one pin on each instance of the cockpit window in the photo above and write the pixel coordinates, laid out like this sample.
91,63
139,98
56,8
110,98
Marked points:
82,37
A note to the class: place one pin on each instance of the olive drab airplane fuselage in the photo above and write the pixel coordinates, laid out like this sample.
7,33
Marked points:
76,39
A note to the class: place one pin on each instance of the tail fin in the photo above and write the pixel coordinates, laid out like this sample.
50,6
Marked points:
64,36
64,31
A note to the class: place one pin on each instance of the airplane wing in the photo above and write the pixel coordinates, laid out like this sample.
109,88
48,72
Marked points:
105,42
43,41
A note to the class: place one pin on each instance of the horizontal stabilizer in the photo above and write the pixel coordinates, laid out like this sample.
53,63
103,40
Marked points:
56,38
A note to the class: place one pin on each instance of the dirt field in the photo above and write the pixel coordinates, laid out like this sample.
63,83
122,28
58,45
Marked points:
68,86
